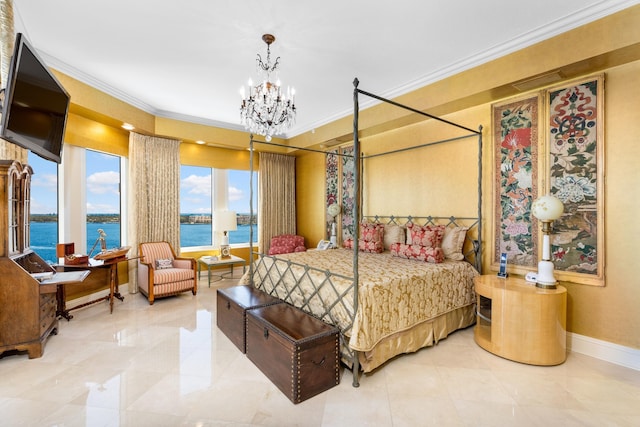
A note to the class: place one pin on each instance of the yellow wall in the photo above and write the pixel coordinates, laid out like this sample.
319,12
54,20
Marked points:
610,45
401,184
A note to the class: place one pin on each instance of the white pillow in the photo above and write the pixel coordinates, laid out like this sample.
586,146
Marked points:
161,264
453,241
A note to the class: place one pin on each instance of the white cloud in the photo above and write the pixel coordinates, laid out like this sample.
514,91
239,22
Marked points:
195,184
101,208
235,194
47,181
104,182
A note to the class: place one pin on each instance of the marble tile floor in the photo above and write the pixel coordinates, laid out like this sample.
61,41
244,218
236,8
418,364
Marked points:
169,365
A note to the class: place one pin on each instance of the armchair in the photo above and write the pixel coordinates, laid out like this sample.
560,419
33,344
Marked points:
162,274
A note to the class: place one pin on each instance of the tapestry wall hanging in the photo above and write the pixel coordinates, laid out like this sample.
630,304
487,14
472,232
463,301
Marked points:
576,171
348,193
515,125
332,189
340,189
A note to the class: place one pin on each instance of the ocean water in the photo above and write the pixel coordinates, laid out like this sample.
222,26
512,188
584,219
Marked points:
44,236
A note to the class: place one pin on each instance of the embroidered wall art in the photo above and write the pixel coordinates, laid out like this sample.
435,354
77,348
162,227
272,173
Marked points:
515,125
576,164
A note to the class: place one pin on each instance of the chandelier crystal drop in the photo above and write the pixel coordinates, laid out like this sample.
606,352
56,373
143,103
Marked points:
267,110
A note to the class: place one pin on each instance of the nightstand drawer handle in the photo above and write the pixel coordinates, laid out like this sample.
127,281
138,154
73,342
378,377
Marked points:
228,305
266,333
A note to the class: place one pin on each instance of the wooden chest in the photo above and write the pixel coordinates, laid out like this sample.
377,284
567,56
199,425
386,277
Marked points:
297,352
232,304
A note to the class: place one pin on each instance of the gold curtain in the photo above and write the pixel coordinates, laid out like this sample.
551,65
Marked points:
8,151
277,196
154,194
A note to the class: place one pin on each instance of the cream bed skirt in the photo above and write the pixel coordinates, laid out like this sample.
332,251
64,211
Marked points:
422,335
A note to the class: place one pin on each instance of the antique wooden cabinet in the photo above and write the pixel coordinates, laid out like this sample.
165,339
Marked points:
27,307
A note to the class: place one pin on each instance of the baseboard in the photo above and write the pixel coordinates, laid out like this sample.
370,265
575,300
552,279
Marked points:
124,290
603,350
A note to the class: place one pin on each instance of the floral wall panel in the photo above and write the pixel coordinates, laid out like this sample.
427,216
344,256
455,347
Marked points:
348,193
576,176
515,125
332,188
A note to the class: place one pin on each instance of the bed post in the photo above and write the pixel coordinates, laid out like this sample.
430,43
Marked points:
479,250
356,216
251,210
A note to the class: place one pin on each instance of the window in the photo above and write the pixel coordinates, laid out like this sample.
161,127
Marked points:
205,190
103,198
44,207
195,206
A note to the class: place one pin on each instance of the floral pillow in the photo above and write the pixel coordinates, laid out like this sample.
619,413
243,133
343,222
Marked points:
453,241
429,236
373,247
162,264
363,246
417,252
371,232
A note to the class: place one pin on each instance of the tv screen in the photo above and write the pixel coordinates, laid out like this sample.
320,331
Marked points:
35,105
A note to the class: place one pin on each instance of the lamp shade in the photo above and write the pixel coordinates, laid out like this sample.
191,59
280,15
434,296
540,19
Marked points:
547,208
225,221
333,210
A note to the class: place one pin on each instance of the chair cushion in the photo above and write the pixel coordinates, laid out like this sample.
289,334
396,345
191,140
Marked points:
169,275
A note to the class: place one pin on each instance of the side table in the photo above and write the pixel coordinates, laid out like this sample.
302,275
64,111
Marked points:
521,322
209,262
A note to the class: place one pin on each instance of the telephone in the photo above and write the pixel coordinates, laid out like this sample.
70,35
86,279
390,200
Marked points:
531,277
324,244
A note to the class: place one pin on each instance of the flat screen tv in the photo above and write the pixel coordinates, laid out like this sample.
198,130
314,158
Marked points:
35,105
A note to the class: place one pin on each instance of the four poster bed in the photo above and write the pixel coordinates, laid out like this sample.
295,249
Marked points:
401,302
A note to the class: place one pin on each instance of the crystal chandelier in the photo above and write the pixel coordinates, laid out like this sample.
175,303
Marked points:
266,110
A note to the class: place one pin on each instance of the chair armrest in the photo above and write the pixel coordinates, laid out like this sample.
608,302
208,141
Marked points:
183,262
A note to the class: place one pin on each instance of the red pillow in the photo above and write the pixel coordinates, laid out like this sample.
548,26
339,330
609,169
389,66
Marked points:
428,236
371,232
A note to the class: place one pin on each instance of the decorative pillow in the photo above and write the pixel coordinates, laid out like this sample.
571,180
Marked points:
453,241
429,236
371,232
373,247
161,264
393,234
417,252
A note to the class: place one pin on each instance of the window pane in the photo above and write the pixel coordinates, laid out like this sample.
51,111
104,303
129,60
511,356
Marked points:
195,206
239,202
103,199
44,207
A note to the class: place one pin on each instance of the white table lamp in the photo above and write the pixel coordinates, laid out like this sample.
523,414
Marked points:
225,221
547,209
333,210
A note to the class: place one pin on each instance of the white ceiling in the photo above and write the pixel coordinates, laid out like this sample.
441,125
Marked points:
188,59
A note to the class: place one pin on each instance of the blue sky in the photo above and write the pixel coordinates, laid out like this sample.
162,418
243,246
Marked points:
103,175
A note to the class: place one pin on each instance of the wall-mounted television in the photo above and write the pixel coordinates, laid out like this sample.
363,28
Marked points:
35,105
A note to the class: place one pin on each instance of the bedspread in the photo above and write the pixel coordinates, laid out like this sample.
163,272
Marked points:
394,295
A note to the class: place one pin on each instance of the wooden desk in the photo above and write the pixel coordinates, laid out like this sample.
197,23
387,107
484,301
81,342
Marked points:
111,265
519,321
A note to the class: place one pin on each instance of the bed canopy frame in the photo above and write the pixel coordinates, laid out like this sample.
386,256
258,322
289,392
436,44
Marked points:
475,257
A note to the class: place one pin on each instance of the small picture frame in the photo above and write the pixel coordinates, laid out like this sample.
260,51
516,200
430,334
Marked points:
502,272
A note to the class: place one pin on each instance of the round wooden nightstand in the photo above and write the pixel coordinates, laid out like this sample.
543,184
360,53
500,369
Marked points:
521,322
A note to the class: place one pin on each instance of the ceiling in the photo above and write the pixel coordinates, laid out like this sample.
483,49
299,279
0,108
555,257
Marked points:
188,59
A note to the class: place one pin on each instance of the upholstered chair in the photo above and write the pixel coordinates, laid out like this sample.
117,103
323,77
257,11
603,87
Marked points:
162,274
286,243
